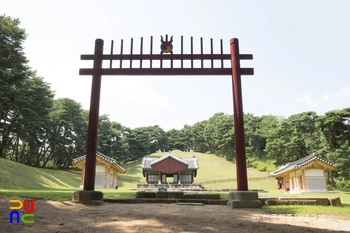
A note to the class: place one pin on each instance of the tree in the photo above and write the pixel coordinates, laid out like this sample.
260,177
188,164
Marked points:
139,143
13,70
334,128
293,138
30,122
219,135
199,142
112,139
157,138
67,136
252,137
176,140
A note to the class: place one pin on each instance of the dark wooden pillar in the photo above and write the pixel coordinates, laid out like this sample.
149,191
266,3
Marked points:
179,178
160,178
91,147
146,177
241,167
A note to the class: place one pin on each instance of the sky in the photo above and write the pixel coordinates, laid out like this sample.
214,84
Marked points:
301,55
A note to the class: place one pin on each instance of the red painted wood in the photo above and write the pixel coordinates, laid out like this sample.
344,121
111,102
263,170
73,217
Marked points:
166,57
91,147
167,71
241,166
169,165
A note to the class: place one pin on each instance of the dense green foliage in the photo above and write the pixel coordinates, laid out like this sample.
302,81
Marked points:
38,130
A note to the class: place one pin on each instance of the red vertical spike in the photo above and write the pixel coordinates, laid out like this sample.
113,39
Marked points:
110,62
201,51
211,52
222,51
141,48
182,51
121,53
131,48
191,51
151,51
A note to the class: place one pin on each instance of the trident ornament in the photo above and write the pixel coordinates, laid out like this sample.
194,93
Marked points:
166,46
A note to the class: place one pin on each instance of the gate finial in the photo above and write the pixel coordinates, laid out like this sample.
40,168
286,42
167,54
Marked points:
166,46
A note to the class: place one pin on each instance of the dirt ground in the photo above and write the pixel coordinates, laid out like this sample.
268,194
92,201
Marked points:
114,217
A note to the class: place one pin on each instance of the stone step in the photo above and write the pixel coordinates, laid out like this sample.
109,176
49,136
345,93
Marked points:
201,196
203,201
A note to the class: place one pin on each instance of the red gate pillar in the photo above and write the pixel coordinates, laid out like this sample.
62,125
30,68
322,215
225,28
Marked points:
241,167
91,147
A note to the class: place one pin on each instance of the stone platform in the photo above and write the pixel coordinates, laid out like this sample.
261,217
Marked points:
176,195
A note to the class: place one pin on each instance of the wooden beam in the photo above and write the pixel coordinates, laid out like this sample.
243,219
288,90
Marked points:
167,71
167,57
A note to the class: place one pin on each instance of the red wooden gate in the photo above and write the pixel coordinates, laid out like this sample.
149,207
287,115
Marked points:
166,53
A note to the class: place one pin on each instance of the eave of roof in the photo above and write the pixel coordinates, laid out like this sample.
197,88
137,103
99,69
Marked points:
169,156
147,162
301,162
103,157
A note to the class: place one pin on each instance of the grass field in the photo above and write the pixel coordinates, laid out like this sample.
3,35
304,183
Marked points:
211,168
19,180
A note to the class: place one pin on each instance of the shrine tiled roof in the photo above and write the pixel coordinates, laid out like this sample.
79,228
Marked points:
147,162
301,162
103,157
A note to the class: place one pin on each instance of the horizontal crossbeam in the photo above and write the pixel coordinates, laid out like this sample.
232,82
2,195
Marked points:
167,71
168,57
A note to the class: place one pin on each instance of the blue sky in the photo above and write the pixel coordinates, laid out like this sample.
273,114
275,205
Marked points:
301,55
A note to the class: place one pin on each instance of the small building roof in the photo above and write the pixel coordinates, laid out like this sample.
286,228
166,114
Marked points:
301,162
168,156
147,162
102,157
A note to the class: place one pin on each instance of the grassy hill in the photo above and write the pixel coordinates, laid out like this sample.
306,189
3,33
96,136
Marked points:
211,168
15,175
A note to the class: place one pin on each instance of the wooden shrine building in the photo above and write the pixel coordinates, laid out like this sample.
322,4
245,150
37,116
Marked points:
169,169
106,170
304,175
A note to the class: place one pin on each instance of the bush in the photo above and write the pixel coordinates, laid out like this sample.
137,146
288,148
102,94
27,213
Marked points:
264,165
343,185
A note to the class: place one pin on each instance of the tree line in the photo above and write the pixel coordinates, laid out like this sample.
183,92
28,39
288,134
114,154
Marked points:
38,130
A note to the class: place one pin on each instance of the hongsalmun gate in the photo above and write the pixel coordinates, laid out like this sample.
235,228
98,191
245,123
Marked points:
161,62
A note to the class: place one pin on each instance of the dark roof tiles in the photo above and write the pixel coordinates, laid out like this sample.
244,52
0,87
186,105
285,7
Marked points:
147,162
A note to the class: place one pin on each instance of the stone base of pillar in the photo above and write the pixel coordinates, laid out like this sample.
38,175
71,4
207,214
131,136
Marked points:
88,197
244,199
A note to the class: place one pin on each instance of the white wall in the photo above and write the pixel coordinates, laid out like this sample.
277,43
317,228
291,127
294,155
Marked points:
315,180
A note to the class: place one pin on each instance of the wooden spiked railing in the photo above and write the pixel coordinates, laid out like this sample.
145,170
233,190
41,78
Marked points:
181,70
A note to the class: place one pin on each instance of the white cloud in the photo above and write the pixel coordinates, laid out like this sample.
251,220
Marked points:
343,92
308,101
